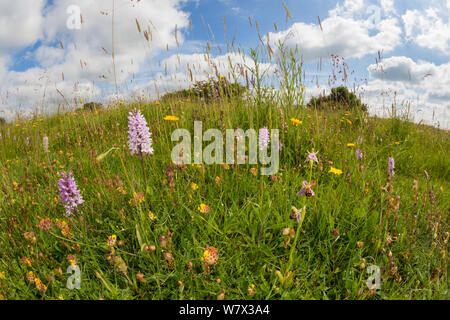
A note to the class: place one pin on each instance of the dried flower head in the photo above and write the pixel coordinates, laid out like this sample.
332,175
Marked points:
45,143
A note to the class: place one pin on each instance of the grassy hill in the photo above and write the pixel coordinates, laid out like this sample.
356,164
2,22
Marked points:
145,240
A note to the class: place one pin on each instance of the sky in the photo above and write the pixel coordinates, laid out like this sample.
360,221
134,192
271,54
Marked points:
59,52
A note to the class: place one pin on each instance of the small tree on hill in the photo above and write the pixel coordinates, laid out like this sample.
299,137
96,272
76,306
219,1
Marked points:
339,98
92,106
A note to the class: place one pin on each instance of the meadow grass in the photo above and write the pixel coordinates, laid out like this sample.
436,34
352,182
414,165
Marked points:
357,219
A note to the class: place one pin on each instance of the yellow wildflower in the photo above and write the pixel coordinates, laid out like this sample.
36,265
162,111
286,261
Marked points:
296,121
171,118
335,171
204,208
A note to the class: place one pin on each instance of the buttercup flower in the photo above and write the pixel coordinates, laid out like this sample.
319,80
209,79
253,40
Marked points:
296,121
69,193
139,136
335,171
171,118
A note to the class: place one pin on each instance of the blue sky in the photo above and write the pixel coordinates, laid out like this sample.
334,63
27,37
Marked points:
414,37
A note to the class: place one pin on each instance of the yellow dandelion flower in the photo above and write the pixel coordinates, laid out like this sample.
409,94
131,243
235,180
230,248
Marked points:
335,171
350,145
296,121
171,118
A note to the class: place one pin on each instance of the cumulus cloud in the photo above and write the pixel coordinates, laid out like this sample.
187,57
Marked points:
20,25
402,69
421,85
429,29
351,30
86,56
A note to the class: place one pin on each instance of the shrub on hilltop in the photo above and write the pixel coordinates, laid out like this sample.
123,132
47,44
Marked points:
92,106
340,98
209,90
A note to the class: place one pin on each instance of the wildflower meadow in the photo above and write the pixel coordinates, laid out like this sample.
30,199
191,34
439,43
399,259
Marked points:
228,189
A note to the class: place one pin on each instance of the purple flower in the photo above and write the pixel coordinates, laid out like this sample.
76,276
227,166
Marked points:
306,190
69,193
263,138
297,214
139,136
312,157
360,139
358,154
391,166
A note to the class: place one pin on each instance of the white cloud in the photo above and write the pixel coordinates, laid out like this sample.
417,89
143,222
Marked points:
388,6
402,69
428,29
86,57
423,85
20,25
351,31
